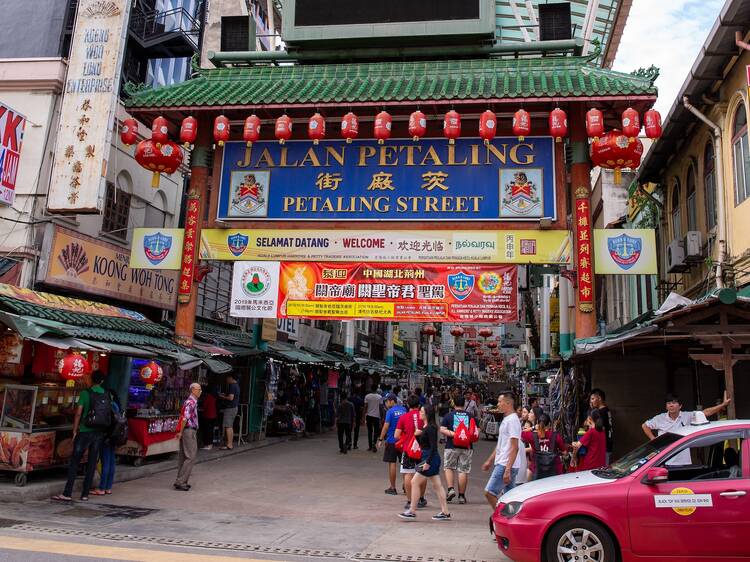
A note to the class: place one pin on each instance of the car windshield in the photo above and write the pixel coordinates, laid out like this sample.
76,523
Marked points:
638,456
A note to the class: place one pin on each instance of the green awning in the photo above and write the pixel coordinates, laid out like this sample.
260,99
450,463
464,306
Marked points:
216,366
29,327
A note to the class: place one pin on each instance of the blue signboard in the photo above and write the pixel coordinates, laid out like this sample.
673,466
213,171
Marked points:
403,180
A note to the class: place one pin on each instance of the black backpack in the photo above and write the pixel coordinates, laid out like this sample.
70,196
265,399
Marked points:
118,431
99,415
545,461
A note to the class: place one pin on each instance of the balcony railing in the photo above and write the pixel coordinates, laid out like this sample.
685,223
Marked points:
152,27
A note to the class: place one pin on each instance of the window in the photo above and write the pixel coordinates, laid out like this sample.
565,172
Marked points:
692,205
167,71
156,217
741,156
116,212
235,33
709,185
711,457
676,219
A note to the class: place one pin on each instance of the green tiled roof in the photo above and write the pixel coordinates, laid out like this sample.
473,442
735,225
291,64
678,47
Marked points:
382,82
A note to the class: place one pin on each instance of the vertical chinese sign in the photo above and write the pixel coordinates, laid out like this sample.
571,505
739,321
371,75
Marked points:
11,135
185,286
88,107
584,250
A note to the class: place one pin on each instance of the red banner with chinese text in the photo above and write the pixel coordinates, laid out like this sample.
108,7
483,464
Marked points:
584,253
428,292
192,215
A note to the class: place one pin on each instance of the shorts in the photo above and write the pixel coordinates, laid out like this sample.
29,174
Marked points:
408,465
390,454
229,415
496,486
458,459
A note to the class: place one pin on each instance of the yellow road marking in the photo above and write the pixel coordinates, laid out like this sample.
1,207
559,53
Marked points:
111,552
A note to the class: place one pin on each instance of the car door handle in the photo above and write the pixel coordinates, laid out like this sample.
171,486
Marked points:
733,494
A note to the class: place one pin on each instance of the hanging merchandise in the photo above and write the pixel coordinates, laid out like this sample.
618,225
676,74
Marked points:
417,125
73,367
652,124
283,129
129,132
383,124
188,131
349,127
452,126
487,126
221,130
558,124
251,130
165,159
521,124
594,124
159,131
631,124
614,151
316,128
151,373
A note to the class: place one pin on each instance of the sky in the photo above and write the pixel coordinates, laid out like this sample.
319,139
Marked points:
668,34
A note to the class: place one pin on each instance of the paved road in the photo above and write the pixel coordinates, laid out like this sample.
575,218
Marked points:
295,499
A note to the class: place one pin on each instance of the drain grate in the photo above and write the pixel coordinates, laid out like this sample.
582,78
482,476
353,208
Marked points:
236,547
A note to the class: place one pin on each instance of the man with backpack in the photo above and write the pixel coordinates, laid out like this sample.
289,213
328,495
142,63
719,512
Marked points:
459,429
93,418
546,448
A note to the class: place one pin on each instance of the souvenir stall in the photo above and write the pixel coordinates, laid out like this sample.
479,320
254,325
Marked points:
38,405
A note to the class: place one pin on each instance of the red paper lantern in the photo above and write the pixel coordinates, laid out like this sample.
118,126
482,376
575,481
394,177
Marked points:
480,353
165,159
594,124
159,131
485,332
251,130
521,124
188,131
652,124
614,151
349,127
487,126
429,330
631,123
383,124
129,131
221,130
452,126
417,125
283,129
495,353
151,373
471,344
316,128
457,331
558,124
73,367
492,344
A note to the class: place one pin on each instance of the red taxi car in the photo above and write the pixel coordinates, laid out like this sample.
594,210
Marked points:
649,505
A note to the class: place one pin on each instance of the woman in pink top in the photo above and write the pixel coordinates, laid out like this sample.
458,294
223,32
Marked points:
595,441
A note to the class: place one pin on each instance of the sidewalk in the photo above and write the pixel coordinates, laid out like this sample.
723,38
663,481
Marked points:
46,484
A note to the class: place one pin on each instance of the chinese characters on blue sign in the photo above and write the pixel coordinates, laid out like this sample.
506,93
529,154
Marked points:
398,180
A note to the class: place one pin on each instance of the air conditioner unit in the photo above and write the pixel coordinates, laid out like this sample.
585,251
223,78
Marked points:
676,257
694,246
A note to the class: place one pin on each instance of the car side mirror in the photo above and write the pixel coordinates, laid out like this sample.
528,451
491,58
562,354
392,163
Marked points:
656,475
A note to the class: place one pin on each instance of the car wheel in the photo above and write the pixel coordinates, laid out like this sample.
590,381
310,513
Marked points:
580,540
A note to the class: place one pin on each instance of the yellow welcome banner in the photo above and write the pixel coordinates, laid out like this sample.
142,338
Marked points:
403,246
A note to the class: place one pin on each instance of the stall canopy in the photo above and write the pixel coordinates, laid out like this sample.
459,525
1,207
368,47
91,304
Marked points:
66,323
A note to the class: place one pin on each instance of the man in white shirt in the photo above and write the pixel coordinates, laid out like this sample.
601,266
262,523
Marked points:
506,457
373,402
674,418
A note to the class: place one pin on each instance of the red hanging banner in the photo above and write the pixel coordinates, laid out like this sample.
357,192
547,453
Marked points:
189,247
584,251
422,292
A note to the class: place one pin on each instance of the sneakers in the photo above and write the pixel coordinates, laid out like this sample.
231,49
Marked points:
442,517
408,515
451,494
462,499
422,503
391,492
